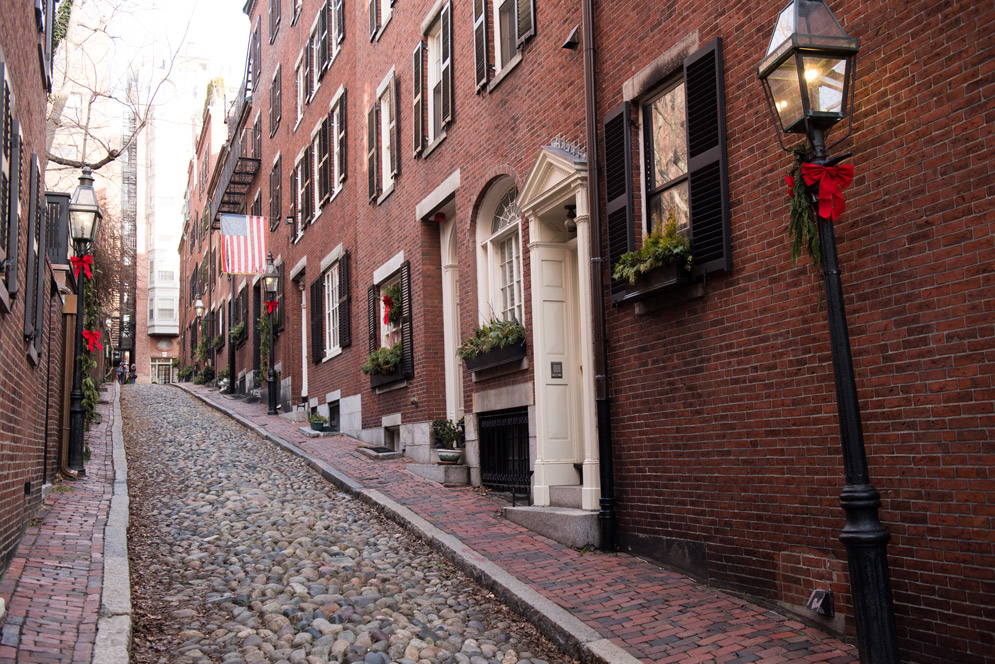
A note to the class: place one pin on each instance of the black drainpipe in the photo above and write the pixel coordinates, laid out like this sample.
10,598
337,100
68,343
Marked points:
606,517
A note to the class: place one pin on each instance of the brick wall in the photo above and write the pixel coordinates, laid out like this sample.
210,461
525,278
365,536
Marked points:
24,381
728,459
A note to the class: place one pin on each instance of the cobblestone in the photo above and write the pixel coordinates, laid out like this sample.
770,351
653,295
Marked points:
242,554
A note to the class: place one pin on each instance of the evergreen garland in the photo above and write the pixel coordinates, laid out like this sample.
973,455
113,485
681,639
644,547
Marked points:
802,227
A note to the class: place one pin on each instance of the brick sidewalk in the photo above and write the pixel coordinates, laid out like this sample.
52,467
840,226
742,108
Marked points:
654,614
52,587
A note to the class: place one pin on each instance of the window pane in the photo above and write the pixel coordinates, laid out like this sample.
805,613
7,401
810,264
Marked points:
507,212
673,200
668,136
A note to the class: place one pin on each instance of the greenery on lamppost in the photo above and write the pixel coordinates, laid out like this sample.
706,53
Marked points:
84,224
808,77
271,284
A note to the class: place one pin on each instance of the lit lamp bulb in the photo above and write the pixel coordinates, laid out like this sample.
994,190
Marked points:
811,74
781,105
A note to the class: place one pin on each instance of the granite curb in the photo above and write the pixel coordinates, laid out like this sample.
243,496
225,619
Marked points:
556,623
113,642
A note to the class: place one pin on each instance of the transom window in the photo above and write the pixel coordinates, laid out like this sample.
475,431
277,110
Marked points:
665,124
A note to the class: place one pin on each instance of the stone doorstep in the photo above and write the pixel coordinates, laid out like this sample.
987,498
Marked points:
566,495
571,527
444,474
308,432
377,455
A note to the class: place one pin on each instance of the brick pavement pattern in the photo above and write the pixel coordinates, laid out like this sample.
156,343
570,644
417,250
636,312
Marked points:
52,587
655,614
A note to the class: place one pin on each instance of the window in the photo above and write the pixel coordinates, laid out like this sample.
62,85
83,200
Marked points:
336,23
500,259
151,310
338,137
317,49
257,205
303,196
513,22
166,311
685,170
274,195
321,153
298,7
382,139
255,60
167,276
257,138
275,103
10,188
380,11
330,309
301,76
386,330
432,87
274,19
34,277
389,297
666,155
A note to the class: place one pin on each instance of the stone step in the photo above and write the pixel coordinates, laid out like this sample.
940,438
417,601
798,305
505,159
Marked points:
565,496
444,474
571,527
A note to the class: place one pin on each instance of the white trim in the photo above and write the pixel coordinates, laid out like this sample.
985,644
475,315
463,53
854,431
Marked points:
332,353
332,256
278,260
335,99
387,80
386,192
275,159
317,127
505,71
255,279
297,269
241,287
333,396
432,16
387,269
384,20
663,66
300,155
440,193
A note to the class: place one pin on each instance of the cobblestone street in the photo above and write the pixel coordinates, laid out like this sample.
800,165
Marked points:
241,553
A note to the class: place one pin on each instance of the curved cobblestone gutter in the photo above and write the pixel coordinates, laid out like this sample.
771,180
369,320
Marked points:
242,553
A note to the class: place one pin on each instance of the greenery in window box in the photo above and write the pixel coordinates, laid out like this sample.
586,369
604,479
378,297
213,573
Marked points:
218,342
185,373
448,434
392,294
205,375
664,246
175,362
236,333
383,361
223,374
317,418
491,335
200,352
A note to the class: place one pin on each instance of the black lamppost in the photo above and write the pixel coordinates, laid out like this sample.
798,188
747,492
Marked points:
808,76
271,284
198,312
84,223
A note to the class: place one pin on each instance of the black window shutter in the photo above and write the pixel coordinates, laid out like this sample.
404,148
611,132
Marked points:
526,20
345,302
14,204
325,159
279,95
39,264
30,282
374,19
407,330
417,115
618,187
342,137
480,60
308,58
371,150
294,185
395,128
340,17
317,318
371,317
446,27
708,169
309,176
323,51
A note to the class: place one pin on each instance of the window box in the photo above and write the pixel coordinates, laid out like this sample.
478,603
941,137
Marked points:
661,280
496,357
378,380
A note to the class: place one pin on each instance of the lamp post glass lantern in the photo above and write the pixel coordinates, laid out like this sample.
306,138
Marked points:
271,284
198,308
84,223
807,75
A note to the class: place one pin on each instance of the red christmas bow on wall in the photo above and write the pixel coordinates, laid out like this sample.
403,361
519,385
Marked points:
388,304
92,338
82,262
832,181
271,306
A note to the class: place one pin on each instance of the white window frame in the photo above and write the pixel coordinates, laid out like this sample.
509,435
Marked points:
491,285
499,35
331,293
299,78
333,30
315,161
335,115
299,195
433,78
389,334
313,48
385,103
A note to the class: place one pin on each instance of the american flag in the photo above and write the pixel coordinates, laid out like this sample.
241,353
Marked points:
243,244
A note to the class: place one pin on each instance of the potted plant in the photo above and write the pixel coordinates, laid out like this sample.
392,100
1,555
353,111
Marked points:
185,373
664,261
218,342
383,365
317,421
449,439
236,333
492,344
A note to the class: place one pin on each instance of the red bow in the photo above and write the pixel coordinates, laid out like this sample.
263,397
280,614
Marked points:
93,338
791,184
271,306
832,181
387,305
82,262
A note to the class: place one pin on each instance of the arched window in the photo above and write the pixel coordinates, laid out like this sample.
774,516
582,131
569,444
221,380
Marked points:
500,254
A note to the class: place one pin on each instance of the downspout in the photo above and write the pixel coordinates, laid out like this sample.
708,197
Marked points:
606,517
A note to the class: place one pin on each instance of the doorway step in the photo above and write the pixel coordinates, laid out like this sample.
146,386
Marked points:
563,521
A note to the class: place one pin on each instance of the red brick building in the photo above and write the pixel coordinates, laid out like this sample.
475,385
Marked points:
33,269
438,153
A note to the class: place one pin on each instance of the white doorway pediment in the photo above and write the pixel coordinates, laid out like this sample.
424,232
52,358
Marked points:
555,176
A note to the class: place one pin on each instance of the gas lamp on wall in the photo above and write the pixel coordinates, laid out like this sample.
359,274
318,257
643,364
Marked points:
199,308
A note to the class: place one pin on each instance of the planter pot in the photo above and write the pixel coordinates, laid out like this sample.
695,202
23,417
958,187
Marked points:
449,457
317,426
660,280
376,380
496,357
